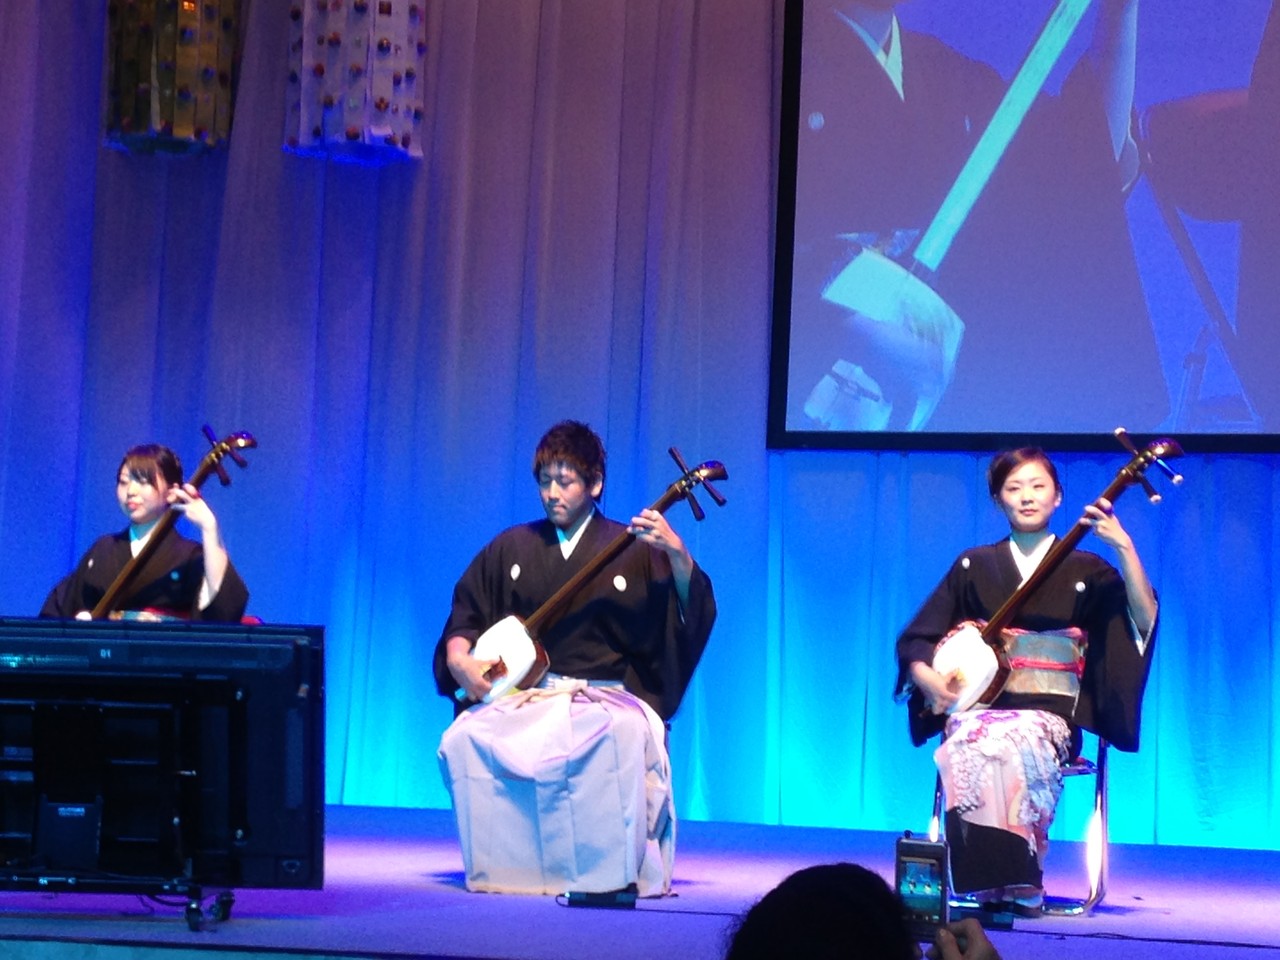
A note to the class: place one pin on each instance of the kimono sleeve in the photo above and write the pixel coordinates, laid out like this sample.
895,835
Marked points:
687,631
229,603
669,638
471,612
1116,669
917,642
61,598
72,593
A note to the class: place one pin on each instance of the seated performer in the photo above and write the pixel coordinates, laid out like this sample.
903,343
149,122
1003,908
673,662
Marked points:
1080,651
567,787
183,579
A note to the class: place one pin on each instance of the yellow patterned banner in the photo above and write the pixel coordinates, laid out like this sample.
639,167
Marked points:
171,69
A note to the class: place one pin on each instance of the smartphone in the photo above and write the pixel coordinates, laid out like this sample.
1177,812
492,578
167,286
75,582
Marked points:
923,884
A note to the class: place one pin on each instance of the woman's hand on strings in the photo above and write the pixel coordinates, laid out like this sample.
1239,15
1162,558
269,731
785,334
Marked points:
1138,590
186,499
1101,516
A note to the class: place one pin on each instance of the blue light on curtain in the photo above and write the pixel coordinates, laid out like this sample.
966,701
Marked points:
589,235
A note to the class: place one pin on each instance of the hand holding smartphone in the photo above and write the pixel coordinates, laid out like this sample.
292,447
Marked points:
923,883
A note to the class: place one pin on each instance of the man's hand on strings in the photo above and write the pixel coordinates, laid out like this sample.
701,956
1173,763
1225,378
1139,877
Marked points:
651,526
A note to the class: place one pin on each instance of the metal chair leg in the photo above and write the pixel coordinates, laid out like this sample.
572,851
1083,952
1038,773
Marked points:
1097,843
1097,839
935,822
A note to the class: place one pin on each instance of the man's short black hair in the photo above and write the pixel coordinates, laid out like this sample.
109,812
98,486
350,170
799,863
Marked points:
574,443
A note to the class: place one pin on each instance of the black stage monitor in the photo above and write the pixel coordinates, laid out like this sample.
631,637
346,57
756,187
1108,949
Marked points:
160,758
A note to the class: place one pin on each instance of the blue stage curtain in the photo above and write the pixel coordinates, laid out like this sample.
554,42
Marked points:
590,236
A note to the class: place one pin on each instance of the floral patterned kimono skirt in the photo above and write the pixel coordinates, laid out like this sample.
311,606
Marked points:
1002,771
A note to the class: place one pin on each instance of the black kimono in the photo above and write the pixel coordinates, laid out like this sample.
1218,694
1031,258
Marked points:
169,583
626,624
570,789
1086,592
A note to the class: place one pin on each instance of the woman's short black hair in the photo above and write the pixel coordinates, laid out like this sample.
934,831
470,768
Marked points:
149,460
1007,461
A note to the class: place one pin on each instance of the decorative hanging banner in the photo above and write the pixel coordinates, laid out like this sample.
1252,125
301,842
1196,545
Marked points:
355,91
171,71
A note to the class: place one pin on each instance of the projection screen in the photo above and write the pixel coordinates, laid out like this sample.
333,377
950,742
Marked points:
1039,220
